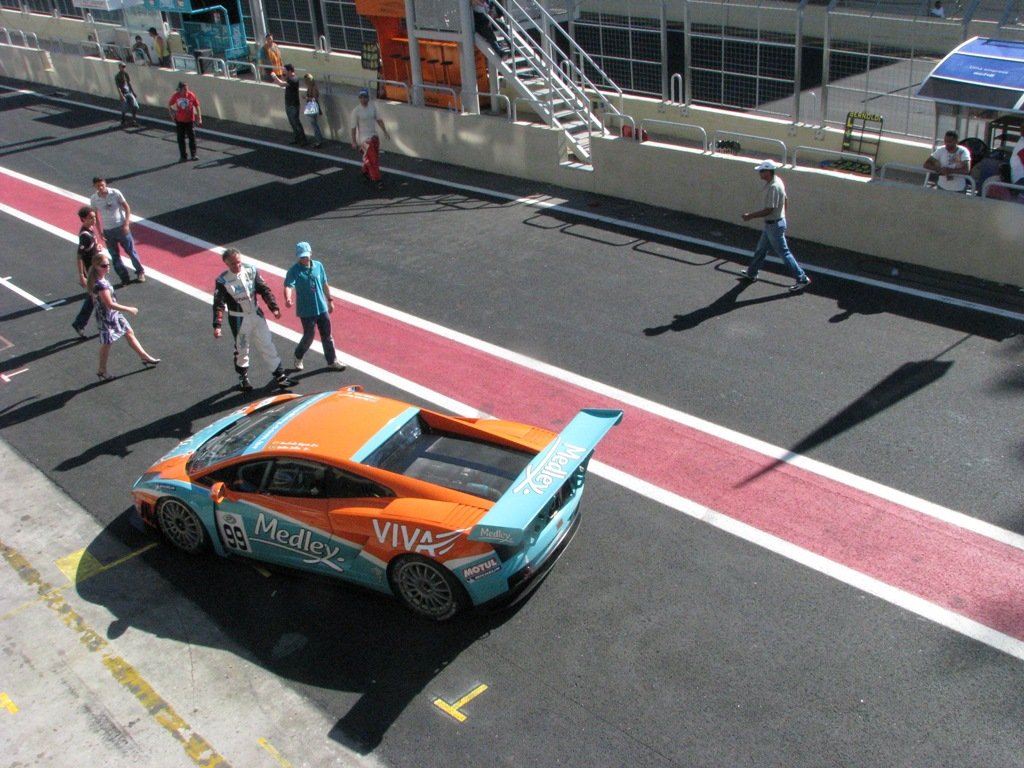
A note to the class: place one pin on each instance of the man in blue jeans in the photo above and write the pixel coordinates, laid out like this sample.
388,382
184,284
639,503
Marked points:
114,220
305,287
774,235
87,248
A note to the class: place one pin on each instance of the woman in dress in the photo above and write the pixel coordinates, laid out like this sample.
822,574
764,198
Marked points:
111,322
313,95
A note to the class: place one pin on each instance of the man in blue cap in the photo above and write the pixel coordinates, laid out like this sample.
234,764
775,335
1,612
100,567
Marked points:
774,234
306,287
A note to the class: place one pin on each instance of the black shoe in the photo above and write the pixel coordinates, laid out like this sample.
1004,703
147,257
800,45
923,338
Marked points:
244,385
283,382
745,275
79,331
182,159
194,158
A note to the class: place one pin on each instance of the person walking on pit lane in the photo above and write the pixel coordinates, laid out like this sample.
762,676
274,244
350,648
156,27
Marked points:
364,135
774,234
183,107
88,247
291,104
114,219
305,286
109,317
129,101
235,292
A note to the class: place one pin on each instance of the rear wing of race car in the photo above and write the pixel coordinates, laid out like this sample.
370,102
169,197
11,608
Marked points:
544,476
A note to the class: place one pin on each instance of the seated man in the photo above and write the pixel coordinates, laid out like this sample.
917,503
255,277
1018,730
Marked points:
952,162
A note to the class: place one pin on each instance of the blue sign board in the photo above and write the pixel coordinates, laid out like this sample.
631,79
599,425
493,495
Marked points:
981,73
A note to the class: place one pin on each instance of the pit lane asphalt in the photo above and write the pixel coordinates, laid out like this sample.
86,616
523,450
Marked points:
656,641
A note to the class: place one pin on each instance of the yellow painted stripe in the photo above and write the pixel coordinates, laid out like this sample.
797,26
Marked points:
6,703
80,565
196,747
454,708
274,753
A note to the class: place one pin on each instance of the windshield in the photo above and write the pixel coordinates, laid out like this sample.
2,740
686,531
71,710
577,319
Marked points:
235,439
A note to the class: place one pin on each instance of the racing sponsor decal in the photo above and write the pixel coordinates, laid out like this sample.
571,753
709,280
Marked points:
270,531
499,535
549,468
232,532
414,539
479,570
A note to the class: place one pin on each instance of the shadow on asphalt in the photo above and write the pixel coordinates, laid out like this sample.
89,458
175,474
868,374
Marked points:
311,630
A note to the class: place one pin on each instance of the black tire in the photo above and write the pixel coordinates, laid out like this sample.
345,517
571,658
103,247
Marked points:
181,525
426,588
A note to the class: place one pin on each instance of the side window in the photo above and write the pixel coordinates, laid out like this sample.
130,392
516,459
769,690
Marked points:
241,478
342,485
296,478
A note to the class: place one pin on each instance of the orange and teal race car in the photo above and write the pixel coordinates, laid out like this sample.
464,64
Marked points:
444,512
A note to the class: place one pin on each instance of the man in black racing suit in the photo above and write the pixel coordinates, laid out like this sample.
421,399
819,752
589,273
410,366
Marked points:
235,292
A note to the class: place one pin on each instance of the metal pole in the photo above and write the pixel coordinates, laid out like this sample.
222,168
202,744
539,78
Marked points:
826,54
798,60
687,48
415,70
664,51
467,61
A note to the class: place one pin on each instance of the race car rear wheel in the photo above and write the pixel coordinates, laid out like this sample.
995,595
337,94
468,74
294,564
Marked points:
181,525
426,588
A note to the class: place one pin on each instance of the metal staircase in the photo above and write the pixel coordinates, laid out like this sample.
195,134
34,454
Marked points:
551,73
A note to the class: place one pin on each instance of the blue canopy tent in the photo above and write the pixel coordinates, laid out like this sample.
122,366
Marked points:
982,73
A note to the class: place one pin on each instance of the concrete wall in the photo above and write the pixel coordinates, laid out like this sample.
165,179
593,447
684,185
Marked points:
901,222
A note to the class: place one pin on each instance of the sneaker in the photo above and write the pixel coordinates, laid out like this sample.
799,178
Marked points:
297,365
140,277
283,381
799,285
337,365
79,331
244,385
745,275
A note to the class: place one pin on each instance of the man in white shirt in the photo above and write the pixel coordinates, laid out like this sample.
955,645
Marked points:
364,135
113,219
952,162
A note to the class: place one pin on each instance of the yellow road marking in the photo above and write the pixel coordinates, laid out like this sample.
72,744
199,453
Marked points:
454,708
196,747
80,565
274,753
6,703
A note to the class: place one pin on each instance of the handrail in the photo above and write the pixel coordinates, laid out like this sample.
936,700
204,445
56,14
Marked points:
717,134
622,118
24,38
99,48
444,89
508,103
568,44
994,182
239,64
703,133
217,62
7,34
524,100
906,168
866,159
375,83
323,44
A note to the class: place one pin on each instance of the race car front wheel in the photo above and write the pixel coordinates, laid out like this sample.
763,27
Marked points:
426,588
181,525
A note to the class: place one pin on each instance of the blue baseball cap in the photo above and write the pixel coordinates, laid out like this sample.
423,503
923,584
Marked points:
303,251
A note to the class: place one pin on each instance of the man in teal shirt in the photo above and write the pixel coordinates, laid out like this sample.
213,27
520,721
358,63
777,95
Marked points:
306,287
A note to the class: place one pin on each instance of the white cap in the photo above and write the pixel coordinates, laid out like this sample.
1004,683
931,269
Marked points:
767,165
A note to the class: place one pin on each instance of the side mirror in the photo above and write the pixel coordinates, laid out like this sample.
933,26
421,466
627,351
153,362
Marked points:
217,492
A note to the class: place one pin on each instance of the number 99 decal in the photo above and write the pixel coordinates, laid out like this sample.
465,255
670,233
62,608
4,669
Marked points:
232,532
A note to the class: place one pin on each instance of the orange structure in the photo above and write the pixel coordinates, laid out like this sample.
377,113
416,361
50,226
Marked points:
439,59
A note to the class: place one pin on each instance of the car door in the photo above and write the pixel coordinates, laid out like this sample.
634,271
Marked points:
353,502
275,510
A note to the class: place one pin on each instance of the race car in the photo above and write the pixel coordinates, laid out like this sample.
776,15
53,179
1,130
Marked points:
446,513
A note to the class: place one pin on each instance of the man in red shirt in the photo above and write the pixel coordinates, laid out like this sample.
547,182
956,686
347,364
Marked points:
183,107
